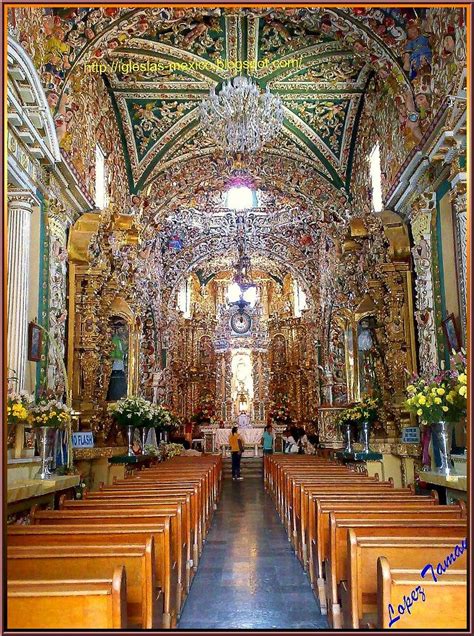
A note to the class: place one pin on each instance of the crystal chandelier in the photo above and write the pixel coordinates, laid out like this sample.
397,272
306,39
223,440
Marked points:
241,118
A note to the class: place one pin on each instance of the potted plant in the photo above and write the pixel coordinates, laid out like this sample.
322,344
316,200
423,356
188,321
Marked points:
439,401
132,412
47,415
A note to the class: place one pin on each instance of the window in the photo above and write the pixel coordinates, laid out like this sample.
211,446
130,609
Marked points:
240,198
234,291
299,299
376,177
184,298
100,179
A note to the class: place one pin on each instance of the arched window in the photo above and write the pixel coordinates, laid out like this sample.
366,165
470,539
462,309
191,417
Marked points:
100,179
376,177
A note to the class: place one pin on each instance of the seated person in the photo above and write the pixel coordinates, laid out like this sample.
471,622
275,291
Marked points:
290,443
188,451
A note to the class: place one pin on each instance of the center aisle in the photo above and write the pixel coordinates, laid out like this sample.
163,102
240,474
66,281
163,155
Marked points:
248,576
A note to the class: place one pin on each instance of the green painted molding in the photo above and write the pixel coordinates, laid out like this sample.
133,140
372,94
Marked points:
438,275
43,296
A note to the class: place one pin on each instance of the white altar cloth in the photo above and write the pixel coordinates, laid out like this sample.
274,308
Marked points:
250,436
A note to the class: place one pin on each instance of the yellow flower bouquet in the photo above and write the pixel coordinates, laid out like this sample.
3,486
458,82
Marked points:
442,397
18,407
49,413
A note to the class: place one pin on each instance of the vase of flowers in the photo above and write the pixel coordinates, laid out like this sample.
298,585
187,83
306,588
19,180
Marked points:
365,413
439,401
18,413
132,412
47,416
344,421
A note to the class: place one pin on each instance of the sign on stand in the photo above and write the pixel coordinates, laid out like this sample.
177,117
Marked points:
83,439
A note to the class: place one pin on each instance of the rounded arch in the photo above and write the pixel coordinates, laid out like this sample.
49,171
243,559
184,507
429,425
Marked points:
190,264
34,102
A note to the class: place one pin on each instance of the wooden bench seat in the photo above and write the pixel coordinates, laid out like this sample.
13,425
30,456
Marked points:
359,592
151,516
336,565
90,604
184,527
144,604
84,533
444,605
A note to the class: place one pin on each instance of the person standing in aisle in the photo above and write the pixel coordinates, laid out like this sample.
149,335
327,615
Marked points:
236,450
268,440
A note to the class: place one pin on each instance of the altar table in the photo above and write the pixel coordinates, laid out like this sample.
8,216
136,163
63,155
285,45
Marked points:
250,437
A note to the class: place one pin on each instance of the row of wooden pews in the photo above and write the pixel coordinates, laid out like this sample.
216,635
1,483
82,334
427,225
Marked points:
368,547
122,558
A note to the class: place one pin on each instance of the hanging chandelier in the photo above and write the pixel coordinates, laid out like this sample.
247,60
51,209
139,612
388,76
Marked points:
241,119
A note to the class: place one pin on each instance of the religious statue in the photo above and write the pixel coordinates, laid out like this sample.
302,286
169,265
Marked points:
118,379
243,421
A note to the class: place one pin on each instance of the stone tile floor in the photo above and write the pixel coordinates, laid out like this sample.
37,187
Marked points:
248,576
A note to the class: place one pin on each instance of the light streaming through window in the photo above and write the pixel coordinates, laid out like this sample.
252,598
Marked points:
234,291
299,299
100,189
240,198
376,176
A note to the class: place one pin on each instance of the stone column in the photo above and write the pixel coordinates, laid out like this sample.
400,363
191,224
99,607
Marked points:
424,314
459,201
20,206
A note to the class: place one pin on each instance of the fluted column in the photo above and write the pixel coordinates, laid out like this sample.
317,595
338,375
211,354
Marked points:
20,206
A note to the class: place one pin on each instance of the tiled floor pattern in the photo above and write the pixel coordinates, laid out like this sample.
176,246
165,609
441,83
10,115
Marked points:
248,576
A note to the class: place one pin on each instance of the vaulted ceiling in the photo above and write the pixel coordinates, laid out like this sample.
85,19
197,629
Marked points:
318,60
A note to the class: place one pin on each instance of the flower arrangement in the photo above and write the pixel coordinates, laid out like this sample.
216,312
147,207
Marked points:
365,410
132,411
18,407
206,412
345,417
51,413
169,450
161,417
280,411
442,396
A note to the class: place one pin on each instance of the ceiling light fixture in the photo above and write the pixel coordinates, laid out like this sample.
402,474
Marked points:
241,118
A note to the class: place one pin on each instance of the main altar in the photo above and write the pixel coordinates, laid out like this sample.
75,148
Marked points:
217,439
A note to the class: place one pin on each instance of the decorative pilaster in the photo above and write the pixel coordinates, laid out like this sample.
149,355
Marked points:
20,206
459,202
424,314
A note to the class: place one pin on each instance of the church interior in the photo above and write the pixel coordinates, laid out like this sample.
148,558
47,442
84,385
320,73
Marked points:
237,317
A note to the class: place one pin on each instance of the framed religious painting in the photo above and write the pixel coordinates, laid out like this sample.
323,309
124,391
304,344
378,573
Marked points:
451,333
35,342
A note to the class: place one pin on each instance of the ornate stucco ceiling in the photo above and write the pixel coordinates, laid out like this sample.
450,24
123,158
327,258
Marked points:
318,60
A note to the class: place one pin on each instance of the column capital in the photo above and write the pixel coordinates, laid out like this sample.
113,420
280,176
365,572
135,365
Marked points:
21,199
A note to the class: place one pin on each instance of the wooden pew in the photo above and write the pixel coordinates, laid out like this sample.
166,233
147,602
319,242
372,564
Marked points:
336,568
144,609
359,592
75,604
373,508
154,517
319,525
108,535
444,605
174,508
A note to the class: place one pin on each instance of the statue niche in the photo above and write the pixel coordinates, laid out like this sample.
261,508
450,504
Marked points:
367,356
118,381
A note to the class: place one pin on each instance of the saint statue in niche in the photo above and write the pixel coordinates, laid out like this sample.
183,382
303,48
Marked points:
119,356
367,353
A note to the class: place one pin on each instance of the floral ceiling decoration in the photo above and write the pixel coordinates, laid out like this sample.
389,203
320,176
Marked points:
319,61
